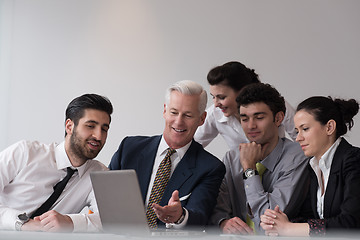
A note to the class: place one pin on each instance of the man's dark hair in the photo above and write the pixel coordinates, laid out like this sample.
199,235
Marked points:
262,92
77,106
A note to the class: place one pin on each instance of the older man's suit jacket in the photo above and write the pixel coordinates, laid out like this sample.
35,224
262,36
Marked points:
198,173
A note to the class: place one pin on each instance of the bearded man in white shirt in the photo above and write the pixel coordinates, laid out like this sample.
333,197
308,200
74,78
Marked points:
30,170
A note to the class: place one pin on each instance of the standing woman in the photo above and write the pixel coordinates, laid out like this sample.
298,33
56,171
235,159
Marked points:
333,201
223,117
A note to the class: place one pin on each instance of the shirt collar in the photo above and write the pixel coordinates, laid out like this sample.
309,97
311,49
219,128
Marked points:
180,152
273,158
63,161
219,115
327,158
223,119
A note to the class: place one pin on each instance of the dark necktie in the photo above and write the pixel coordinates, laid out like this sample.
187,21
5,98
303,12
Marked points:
159,185
58,188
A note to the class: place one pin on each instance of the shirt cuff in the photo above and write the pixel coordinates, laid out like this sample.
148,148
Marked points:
181,225
221,220
86,222
317,227
253,186
9,218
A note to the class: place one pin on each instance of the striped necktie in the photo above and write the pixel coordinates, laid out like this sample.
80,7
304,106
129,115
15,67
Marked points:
160,183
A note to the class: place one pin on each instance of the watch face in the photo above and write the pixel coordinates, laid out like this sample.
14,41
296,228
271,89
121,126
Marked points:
23,217
249,172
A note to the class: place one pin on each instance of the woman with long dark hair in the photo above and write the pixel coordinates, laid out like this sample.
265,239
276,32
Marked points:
333,201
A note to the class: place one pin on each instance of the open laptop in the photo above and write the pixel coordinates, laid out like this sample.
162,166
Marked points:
121,206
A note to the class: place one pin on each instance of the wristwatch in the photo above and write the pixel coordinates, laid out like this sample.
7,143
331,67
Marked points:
182,217
21,220
249,173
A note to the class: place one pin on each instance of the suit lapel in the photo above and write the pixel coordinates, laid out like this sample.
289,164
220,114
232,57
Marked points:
333,181
330,193
146,163
182,173
313,192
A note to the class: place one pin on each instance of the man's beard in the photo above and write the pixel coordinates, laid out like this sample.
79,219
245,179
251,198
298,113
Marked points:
79,148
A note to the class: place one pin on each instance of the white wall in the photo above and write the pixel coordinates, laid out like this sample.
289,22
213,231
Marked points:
131,50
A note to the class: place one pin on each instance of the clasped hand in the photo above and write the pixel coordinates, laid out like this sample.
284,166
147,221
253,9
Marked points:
51,221
274,222
235,226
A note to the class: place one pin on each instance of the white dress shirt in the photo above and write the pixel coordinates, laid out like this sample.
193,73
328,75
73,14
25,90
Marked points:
230,128
28,173
323,166
175,159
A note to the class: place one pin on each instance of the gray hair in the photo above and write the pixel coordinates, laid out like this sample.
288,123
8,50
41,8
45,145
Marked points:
188,87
